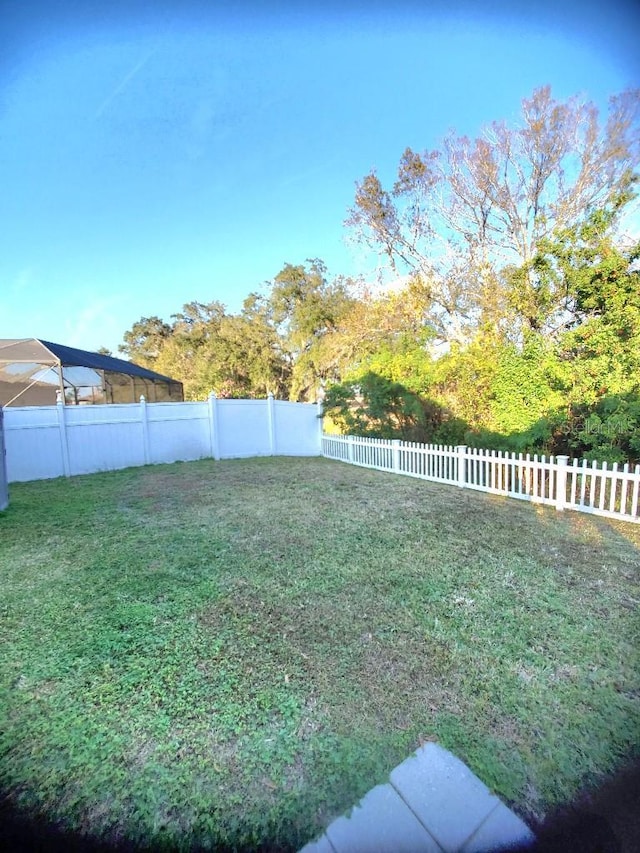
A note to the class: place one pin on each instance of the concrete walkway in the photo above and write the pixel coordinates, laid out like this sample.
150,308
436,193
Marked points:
431,803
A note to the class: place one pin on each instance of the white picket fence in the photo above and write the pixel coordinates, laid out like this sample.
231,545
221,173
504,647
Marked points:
54,441
593,487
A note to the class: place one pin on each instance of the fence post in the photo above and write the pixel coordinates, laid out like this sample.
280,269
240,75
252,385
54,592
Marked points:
62,427
350,448
145,430
461,450
561,482
319,412
213,426
271,424
395,453
4,481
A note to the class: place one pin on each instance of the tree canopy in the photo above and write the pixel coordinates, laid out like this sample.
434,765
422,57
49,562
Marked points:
518,322
456,217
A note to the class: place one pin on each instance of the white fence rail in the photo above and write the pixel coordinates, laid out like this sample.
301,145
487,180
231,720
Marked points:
593,487
55,441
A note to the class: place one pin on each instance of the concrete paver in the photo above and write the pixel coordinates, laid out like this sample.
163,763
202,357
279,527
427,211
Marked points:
444,794
502,830
432,803
322,845
383,822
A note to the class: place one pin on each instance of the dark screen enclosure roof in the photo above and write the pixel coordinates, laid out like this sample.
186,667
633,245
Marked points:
31,350
35,372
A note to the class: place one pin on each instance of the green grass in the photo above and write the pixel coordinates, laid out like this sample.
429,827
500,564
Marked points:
232,653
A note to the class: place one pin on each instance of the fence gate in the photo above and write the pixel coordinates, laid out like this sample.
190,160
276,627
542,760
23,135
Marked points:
4,488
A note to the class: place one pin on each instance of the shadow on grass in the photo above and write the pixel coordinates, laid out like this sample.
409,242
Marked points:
19,831
602,819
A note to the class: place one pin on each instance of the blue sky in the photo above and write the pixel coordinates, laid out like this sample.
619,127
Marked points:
156,153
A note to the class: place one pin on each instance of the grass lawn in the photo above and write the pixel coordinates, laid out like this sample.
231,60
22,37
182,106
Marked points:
233,653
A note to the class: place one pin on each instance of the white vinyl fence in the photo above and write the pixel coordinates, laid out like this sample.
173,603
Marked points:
4,483
55,441
593,487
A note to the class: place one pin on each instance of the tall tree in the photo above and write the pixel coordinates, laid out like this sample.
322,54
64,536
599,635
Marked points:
234,355
252,361
600,351
144,341
457,216
306,309
184,353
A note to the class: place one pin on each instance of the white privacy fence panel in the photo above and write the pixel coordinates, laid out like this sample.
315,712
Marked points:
294,434
101,440
244,428
33,443
53,441
178,434
593,487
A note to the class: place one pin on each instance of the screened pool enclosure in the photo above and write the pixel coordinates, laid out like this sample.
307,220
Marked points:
34,372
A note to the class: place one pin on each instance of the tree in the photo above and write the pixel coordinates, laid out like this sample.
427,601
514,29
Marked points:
376,406
456,217
306,308
599,352
252,362
144,341
579,391
234,355
463,378
523,391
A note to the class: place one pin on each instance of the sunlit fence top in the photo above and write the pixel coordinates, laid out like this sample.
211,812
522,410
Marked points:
594,487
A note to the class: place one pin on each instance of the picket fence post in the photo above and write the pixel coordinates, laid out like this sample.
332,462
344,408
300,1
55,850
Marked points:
561,482
395,452
350,448
145,430
461,450
62,427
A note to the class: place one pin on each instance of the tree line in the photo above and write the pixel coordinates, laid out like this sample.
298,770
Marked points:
515,319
